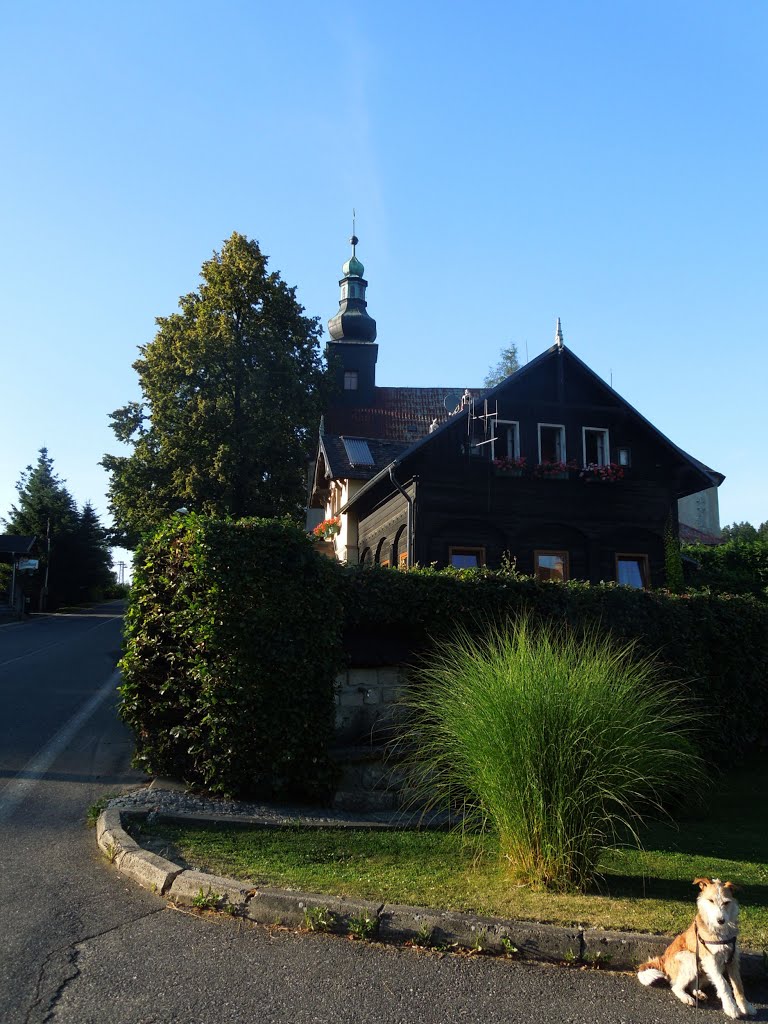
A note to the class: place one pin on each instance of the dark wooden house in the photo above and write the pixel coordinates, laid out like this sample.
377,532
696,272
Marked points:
551,468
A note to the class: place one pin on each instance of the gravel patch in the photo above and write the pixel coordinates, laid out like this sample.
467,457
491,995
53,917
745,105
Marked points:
176,800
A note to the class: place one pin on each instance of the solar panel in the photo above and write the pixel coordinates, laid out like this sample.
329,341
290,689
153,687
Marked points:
358,452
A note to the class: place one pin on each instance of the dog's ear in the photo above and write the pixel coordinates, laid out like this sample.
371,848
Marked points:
702,882
732,886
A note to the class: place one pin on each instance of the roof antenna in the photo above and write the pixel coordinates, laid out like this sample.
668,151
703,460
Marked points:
559,334
526,350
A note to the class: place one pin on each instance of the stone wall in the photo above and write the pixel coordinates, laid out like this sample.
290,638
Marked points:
365,717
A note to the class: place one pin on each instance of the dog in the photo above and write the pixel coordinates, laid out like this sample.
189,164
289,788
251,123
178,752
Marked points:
708,949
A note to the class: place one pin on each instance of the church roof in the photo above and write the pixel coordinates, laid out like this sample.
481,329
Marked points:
397,414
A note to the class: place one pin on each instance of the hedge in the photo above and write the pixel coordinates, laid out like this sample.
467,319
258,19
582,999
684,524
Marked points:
715,645
232,648
236,630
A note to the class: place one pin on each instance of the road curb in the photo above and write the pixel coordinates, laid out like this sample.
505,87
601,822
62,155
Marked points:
426,926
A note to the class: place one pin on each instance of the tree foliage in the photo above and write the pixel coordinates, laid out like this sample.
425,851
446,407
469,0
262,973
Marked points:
746,532
736,567
508,363
72,545
232,390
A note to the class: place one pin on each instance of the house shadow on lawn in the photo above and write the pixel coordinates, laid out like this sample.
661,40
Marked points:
669,889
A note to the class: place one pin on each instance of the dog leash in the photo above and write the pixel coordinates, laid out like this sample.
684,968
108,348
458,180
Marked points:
704,942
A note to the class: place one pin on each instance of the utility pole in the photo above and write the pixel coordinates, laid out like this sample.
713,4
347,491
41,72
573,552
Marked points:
44,591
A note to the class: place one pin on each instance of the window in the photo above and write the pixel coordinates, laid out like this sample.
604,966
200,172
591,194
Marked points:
466,558
597,450
402,560
384,563
506,441
632,571
551,442
550,565
625,456
350,380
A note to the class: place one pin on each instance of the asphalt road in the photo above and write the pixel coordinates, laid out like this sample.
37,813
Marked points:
78,944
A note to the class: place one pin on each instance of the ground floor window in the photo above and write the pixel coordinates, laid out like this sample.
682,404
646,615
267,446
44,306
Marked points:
466,558
402,560
550,565
632,571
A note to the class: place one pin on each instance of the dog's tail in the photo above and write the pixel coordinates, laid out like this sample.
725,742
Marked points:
650,971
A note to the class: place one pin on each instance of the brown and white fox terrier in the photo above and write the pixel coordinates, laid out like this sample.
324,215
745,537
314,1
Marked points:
708,949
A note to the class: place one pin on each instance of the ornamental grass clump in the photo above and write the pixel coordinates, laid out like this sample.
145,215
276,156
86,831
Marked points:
559,742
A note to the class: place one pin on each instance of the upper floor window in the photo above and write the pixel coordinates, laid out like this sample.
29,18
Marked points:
625,456
551,442
506,440
350,380
597,450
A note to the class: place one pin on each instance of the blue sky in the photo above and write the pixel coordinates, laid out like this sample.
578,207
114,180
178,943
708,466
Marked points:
509,163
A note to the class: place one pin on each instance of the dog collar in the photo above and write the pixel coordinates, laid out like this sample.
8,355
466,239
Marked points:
717,942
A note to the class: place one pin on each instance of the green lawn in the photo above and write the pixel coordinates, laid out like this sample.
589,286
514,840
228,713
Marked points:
649,890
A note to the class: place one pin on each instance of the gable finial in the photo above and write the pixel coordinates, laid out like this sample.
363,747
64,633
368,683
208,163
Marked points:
353,239
559,334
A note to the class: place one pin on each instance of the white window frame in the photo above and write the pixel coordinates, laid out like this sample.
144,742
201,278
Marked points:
515,426
561,427
606,444
349,376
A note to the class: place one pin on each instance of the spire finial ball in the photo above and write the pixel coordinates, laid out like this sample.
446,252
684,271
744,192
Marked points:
354,240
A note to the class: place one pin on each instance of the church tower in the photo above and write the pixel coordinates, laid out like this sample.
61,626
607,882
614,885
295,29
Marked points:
352,350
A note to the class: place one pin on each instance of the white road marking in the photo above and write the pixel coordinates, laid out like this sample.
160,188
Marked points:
30,775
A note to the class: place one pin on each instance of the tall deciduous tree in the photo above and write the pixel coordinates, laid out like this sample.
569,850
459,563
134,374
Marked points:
508,363
232,392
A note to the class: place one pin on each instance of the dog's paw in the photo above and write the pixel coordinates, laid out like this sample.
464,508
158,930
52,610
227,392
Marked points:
698,994
685,998
732,1012
749,1010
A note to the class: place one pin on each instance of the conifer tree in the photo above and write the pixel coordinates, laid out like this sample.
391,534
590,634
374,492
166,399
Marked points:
72,546
508,363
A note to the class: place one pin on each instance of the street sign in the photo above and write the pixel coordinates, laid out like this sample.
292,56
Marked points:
30,564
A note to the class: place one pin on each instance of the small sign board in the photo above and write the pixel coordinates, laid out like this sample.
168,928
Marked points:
30,564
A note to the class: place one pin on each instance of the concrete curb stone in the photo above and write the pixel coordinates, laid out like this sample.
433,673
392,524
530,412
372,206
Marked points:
285,907
148,869
223,893
269,906
620,947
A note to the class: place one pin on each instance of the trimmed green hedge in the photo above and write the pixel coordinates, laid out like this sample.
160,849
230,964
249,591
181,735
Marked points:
716,645
236,630
232,647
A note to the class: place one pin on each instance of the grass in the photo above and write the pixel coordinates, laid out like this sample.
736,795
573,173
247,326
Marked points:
648,890
561,741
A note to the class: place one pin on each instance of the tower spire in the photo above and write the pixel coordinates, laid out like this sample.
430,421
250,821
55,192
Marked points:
559,334
352,322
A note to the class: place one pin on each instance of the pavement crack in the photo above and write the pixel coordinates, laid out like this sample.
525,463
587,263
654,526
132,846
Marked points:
60,967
